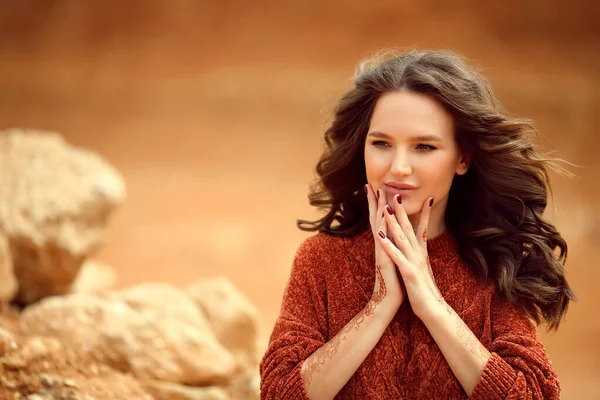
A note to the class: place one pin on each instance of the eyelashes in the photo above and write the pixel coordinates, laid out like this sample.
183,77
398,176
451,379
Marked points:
419,147
426,147
379,143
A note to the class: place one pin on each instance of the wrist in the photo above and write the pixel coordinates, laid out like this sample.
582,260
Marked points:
384,308
436,313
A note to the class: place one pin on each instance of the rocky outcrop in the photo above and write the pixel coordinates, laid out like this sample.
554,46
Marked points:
40,368
55,201
233,318
153,331
82,338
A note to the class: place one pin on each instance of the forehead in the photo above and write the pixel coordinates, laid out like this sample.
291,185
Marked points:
404,113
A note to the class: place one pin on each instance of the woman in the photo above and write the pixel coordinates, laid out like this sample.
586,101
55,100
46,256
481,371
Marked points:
430,282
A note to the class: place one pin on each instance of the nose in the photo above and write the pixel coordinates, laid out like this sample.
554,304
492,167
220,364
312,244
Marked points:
401,165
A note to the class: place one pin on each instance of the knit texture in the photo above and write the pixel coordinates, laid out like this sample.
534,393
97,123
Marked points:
332,280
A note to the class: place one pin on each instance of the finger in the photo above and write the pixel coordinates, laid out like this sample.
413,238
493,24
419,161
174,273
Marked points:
381,224
382,255
372,206
380,227
404,222
381,203
396,255
395,232
424,223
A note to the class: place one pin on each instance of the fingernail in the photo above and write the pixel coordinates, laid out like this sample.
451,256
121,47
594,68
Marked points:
389,209
399,199
431,202
366,190
377,194
381,235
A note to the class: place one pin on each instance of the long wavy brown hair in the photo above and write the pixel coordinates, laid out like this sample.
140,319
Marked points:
494,211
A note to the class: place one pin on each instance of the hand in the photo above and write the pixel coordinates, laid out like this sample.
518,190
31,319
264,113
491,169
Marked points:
388,286
408,251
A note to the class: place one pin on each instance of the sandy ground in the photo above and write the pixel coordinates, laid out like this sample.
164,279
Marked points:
215,114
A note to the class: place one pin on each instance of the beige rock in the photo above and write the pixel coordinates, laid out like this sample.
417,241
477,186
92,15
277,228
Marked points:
8,281
234,319
245,385
165,301
49,369
154,331
37,347
55,201
7,342
173,391
94,276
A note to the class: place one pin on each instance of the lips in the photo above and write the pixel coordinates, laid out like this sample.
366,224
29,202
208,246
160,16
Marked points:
403,190
397,185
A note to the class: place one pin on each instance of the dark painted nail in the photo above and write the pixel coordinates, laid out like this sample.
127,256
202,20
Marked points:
381,235
377,194
399,199
431,203
389,209
366,190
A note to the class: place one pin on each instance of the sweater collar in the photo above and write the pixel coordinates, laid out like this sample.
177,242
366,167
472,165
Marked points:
442,245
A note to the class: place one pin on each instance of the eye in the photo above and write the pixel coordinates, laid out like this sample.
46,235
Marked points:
425,147
379,143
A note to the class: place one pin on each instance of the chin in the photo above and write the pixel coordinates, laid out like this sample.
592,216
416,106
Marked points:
410,212
412,208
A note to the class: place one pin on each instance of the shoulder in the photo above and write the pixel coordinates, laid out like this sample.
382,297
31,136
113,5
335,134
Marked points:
319,246
325,249
508,316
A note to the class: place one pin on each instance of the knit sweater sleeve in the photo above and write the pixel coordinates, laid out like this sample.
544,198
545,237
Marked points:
300,328
519,367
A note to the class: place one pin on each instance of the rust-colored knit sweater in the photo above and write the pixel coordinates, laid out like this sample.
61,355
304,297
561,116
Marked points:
332,280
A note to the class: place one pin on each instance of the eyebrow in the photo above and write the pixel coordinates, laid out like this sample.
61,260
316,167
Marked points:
424,138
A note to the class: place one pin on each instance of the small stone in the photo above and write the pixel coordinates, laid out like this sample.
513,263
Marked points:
48,380
8,281
94,276
94,369
7,383
70,383
13,363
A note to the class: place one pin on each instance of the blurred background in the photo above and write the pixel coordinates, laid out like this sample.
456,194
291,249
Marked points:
214,113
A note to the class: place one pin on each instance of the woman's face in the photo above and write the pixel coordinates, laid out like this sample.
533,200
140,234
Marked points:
410,150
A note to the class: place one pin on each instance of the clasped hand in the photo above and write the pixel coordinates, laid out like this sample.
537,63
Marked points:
397,243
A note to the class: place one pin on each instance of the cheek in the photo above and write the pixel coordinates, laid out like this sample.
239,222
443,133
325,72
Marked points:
439,171
375,165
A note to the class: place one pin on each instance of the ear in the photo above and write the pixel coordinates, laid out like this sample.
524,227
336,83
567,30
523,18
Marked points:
463,165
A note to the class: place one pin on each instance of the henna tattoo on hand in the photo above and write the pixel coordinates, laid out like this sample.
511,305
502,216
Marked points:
428,265
471,341
467,336
424,236
329,350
